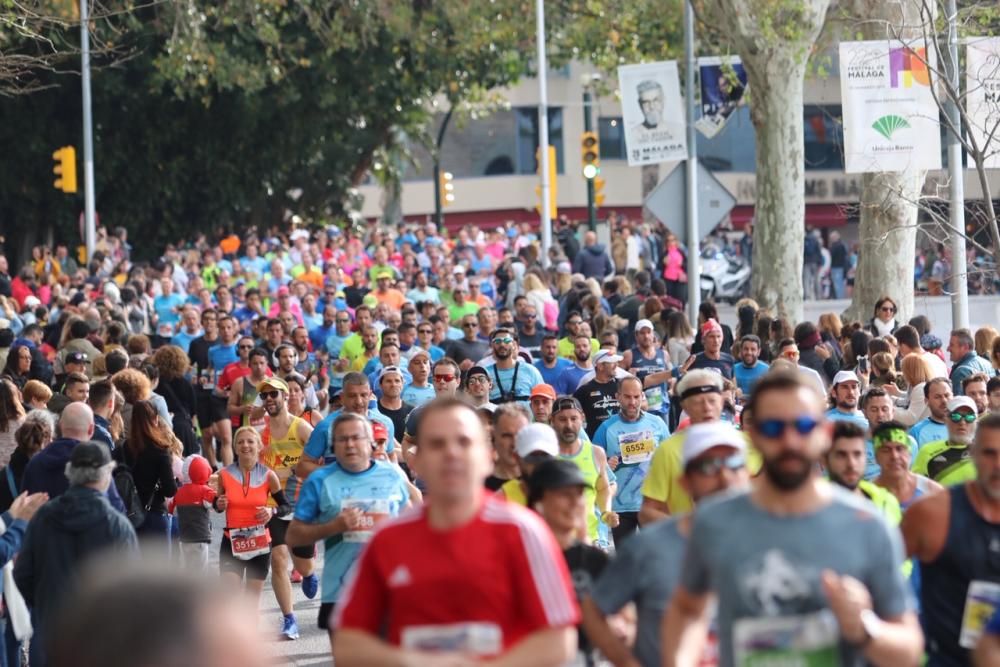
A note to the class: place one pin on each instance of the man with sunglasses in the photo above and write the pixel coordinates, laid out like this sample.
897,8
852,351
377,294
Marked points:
512,378
956,537
714,461
529,335
284,437
425,340
791,587
629,439
447,379
949,461
469,349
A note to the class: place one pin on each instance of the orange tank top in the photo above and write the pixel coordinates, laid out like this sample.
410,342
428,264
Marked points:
246,492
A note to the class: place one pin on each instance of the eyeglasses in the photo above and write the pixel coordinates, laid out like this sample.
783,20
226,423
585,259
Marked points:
957,417
714,465
351,438
502,340
269,394
444,378
774,428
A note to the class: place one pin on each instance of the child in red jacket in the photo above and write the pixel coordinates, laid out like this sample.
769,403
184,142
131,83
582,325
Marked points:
191,505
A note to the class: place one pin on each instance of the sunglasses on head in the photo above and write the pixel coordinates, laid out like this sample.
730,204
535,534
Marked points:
712,466
444,378
271,393
958,417
774,428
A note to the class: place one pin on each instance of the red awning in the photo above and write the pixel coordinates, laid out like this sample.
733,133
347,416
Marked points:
817,215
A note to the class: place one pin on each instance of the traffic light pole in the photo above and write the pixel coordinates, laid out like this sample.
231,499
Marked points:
543,131
438,210
588,126
90,231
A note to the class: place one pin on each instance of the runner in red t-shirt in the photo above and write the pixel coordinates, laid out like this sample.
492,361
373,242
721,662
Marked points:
465,575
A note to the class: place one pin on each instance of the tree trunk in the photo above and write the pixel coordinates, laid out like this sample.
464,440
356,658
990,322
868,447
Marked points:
780,208
888,243
889,201
774,40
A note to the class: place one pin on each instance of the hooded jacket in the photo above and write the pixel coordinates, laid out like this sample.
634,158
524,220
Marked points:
60,537
593,262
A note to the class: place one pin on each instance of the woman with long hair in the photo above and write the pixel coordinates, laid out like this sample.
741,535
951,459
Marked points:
297,385
916,371
884,318
173,364
11,417
18,365
830,328
149,453
680,337
984,338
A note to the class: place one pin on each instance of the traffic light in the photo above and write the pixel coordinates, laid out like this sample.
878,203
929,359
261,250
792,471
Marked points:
447,188
65,169
553,184
590,153
599,191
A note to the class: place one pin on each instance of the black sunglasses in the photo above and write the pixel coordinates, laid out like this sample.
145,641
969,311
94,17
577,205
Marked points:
269,394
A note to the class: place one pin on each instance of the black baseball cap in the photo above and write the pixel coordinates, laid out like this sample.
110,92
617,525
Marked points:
552,474
90,455
475,370
76,358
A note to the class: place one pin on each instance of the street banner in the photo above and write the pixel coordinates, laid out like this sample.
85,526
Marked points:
890,117
653,113
982,101
723,89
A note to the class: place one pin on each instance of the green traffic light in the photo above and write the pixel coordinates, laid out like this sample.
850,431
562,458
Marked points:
590,171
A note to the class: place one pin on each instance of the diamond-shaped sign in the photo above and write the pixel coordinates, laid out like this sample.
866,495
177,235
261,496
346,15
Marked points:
668,201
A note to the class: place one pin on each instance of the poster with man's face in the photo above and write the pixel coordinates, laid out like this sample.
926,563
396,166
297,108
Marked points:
653,113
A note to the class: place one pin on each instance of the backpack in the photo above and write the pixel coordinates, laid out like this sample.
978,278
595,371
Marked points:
125,483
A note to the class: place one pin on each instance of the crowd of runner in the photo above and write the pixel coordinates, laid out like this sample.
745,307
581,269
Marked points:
469,456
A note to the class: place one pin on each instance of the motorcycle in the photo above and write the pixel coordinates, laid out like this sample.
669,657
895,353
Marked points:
724,276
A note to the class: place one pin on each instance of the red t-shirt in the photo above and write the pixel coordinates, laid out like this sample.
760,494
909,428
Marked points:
482,587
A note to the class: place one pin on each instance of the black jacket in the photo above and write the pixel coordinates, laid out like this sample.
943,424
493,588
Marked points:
152,465
18,462
826,368
60,537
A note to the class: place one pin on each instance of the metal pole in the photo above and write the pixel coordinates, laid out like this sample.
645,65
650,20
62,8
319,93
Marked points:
691,194
543,131
588,126
438,212
90,231
959,269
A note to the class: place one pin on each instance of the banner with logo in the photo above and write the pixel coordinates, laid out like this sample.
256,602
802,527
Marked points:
723,89
890,118
653,113
982,101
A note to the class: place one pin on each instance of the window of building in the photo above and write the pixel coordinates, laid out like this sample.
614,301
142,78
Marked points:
611,134
824,137
527,138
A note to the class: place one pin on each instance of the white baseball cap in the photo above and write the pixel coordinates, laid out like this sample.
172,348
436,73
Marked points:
643,324
536,438
962,402
845,376
702,437
608,357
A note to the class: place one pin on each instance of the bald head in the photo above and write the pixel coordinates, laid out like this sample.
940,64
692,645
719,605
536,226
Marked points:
590,238
77,421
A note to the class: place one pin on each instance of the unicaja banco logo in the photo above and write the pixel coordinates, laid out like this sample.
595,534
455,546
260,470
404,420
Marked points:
887,125
908,66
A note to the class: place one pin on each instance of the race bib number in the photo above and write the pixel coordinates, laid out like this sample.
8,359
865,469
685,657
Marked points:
981,601
248,543
809,640
654,399
374,511
475,638
636,447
